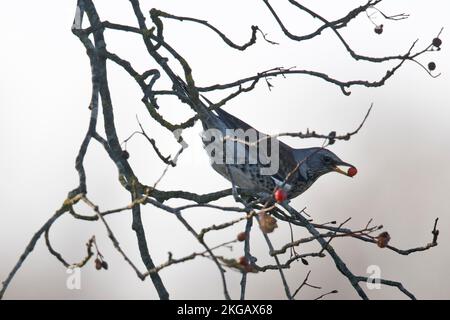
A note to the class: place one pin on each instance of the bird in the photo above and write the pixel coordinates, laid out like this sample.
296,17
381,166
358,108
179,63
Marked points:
297,168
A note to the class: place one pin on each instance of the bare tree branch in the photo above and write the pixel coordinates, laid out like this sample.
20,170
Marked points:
250,204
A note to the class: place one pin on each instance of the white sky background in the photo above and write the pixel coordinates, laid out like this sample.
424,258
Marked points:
402,153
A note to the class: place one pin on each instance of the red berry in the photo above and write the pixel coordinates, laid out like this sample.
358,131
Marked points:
431,66
437,42
241,236
280,195
352,171
243,261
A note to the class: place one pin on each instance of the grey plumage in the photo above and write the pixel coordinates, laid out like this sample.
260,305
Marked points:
298,169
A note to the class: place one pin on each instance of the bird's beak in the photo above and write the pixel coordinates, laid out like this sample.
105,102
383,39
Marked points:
339,170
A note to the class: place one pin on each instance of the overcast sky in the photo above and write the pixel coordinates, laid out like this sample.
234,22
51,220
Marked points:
402,153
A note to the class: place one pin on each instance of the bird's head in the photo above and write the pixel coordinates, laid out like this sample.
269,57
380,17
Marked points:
315,162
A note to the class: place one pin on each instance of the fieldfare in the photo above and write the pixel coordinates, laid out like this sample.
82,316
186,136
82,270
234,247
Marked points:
253,160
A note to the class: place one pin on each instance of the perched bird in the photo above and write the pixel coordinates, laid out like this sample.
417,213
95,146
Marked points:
295,171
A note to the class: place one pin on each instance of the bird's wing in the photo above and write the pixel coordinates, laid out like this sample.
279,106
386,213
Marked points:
232,122
286,160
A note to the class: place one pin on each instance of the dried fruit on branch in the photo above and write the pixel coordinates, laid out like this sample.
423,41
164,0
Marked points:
379,29
267,223
241,236
431,66
437,42
383,239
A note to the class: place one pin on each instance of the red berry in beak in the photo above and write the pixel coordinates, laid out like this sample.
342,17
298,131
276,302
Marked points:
280,195
352,171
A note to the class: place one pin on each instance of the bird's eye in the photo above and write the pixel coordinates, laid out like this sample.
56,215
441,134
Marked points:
327,159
